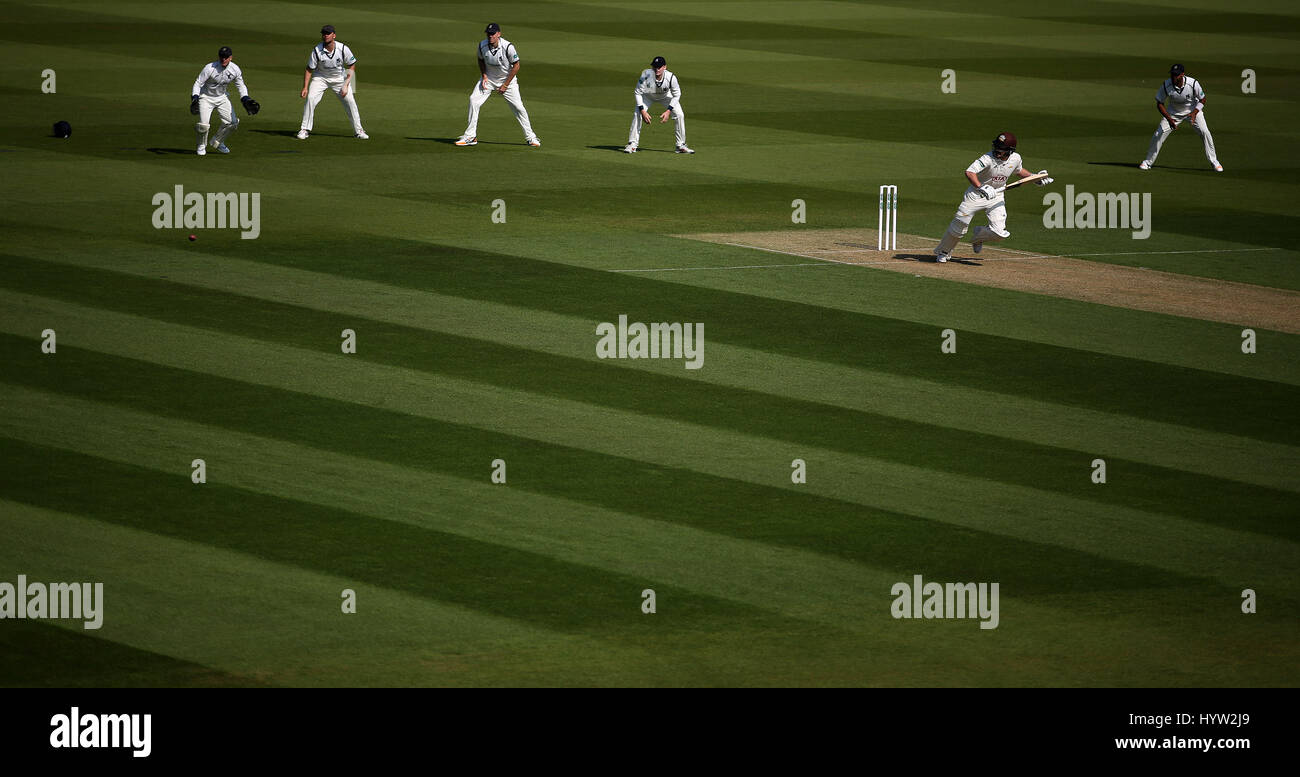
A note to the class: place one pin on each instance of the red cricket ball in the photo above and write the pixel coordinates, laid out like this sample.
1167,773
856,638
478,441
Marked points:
193,238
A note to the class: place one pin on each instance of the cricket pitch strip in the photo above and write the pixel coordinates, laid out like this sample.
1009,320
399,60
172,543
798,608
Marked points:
1208,299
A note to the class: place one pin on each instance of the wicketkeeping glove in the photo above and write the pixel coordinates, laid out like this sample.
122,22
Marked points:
250,105
194,104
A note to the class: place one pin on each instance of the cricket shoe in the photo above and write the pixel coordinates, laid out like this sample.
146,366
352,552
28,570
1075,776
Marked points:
630,148
941,258
219,147
685,150
302,134
534,142
362,135
1218,168
203,150
466,141
1145,165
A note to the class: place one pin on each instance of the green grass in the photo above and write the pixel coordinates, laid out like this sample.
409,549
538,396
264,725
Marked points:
371,471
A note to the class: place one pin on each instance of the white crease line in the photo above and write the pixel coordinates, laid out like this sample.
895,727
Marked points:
1199,251
734,267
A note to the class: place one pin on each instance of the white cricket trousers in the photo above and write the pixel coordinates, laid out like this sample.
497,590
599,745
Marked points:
316,90
516,103
971,204
225,112
679,121
1163,131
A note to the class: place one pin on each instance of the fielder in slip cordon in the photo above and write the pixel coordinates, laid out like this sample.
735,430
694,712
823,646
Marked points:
988,177
331,65
658,84
498,64
1181,98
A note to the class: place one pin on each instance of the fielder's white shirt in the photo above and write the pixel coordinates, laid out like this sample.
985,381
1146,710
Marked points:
1180,102
214,80
990,171
331,64
497,61
665,90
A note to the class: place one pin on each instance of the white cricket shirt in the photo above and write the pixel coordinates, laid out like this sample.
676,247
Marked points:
1180,102
331,64
497,61
989,170
214,80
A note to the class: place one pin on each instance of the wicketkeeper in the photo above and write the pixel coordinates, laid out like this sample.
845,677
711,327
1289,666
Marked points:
210,93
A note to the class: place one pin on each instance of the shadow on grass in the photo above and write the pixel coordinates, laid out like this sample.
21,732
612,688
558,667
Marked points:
640,149
452,142
285,133
1137,166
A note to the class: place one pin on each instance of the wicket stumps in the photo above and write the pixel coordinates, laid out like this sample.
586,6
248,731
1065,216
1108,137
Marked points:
887,220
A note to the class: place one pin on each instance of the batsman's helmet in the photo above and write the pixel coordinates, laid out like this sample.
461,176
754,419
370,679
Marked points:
224,52
658,62
1003,145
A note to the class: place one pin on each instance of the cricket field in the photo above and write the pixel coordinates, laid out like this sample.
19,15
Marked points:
368,431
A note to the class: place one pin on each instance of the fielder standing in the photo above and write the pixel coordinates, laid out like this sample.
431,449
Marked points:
210,93
1186,102
330,66
658,84
498,64
987,175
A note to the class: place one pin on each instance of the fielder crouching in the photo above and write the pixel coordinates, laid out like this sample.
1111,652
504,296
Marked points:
210,93
988,176
658,84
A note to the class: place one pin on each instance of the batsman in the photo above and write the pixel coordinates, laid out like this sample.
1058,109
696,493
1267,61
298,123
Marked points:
988,177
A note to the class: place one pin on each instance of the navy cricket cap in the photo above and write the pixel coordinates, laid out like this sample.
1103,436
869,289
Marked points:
327,29
658,62
224,52
492,28
1176,70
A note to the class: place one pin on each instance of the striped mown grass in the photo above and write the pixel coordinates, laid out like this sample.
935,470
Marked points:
476,342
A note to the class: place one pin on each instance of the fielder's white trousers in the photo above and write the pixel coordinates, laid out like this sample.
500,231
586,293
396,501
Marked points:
1163,131
316,90
971,204
679,121
225,112
516,103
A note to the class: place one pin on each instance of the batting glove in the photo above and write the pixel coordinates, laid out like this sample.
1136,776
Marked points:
988,191
250,105
1045,181
194,104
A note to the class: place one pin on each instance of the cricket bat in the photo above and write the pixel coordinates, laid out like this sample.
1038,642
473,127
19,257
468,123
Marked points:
1030,179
